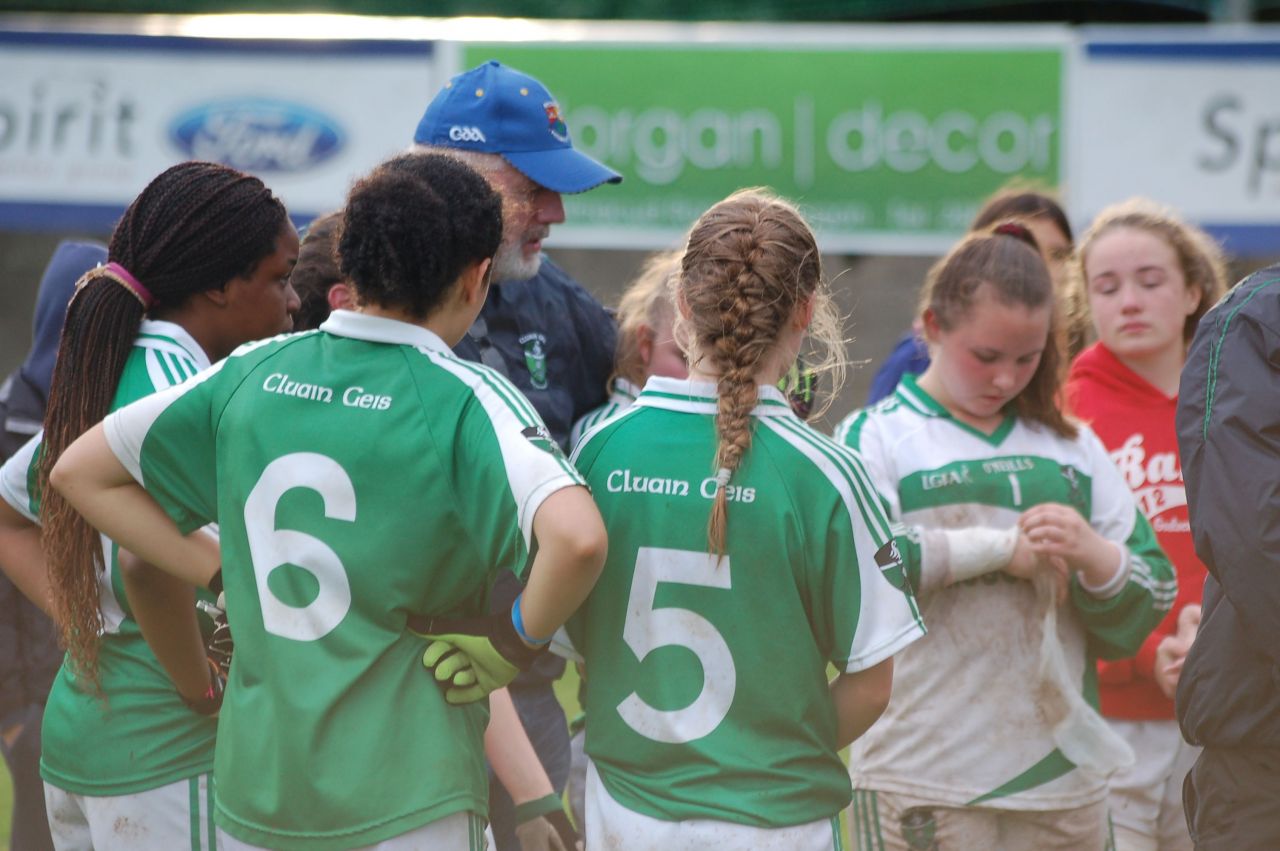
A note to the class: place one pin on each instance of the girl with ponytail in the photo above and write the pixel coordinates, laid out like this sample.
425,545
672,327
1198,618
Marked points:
1030,560
198,265
752,544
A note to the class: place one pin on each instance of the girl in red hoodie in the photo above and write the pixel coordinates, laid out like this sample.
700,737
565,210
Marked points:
1146,278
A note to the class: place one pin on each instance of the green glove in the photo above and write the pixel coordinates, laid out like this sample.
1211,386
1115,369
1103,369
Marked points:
470,657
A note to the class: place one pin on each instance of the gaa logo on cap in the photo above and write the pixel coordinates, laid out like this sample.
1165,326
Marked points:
466,134
554,122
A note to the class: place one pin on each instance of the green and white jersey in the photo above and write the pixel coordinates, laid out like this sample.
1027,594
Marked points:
143,737
963,727
622,395
707,678
359,474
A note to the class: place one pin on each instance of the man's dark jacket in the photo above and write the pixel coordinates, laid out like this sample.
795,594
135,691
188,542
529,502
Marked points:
1229,435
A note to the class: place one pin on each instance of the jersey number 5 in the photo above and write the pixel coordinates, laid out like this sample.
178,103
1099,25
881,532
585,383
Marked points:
270,547
646,629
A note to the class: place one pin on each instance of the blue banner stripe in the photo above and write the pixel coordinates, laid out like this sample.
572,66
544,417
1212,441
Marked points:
191,44
31,216
1191,51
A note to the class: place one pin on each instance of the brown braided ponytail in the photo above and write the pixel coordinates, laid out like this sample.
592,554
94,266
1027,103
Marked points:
750,264
195,227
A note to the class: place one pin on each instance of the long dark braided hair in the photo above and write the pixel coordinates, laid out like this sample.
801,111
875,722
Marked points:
195,227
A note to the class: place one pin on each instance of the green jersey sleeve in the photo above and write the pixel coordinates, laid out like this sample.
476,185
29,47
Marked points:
18,480
1119,620
167,443
500,423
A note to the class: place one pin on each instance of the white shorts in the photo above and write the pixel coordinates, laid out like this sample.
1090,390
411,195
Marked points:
171,818
888,821
1146,800
454,832
613,827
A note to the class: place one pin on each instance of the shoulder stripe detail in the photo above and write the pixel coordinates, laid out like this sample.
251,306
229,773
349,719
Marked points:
152,342
474,375
503,388
841,460
1215,354
158,370
599,427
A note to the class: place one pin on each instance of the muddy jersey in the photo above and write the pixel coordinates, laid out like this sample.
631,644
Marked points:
143,736
360,473
706,676
963,727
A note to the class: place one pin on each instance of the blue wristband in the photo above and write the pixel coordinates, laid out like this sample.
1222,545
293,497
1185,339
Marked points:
518,622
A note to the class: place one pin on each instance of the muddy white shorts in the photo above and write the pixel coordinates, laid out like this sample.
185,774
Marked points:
171,818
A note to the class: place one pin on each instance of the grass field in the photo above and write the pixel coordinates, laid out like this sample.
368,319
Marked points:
6,807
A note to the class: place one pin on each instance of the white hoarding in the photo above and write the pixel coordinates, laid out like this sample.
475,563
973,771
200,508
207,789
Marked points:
86,119
1192,122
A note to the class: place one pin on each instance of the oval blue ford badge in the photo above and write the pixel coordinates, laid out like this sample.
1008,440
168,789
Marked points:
257,135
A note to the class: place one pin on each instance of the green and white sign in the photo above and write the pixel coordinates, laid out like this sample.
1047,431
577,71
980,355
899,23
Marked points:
887,147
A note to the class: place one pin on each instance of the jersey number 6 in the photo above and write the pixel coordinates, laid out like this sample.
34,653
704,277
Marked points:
646,629
270,548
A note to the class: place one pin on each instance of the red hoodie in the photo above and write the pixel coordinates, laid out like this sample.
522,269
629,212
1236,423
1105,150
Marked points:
1135,421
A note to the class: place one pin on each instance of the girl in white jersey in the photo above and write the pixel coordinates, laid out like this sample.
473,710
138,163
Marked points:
364,479
747,553
1030,560
200,263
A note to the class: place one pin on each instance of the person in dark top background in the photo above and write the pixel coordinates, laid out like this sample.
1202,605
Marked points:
29,652
1228,698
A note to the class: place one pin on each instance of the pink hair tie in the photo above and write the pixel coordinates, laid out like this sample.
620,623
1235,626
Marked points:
126,279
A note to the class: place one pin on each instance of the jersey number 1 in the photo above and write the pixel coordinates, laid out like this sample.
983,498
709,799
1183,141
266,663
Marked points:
270,548
646,629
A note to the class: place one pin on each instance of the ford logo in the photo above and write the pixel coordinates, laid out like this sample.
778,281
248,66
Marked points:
257,135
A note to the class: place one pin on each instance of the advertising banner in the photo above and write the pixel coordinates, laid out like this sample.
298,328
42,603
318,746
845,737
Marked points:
86,120
889,145
1192,122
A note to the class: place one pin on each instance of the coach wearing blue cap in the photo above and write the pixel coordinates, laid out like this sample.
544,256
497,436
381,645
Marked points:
538,326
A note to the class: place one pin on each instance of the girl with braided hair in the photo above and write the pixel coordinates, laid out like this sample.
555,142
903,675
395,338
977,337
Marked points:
1030,560
198,265
752,545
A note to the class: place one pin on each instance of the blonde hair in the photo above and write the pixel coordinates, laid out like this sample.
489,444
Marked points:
647,302
750,263
1199,258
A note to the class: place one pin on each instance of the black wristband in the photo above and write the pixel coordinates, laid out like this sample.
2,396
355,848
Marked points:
509,643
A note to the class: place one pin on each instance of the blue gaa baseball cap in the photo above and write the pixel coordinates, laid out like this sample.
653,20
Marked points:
494,109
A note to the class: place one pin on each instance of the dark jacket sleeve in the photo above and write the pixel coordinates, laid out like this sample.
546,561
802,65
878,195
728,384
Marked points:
1229,433
598,340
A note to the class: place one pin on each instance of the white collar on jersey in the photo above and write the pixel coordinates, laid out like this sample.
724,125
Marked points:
379,329
699,397
625,389
175,332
